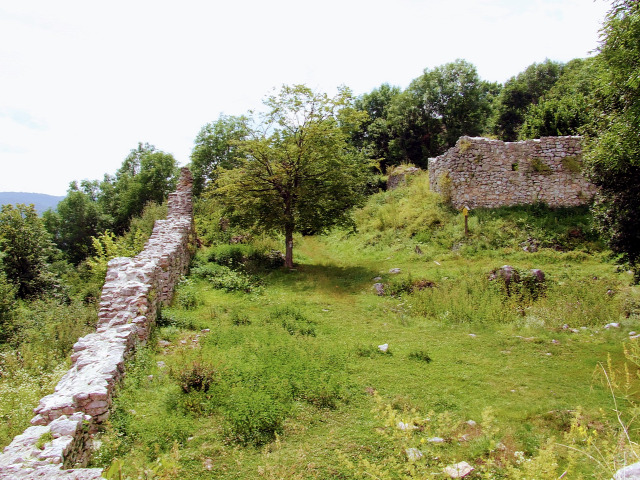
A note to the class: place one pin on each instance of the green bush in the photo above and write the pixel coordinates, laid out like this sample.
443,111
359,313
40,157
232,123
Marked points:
224,278
294,321
254,417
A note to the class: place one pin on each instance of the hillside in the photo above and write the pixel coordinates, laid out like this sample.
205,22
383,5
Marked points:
390,350
40,201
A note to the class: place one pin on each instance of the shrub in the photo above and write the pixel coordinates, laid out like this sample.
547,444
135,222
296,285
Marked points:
198,376
294,321
254,417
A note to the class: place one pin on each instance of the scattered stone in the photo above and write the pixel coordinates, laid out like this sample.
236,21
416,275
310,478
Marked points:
610,292
437,263
549,354
630,472
384,347
472,335
207,464
633,337
463,438
205,330
436,440
418,250
471,423
406,426
161,364
612,325
377,279
555,342
379,288
632,333
413,454
163,343
459,470
394,270
150,377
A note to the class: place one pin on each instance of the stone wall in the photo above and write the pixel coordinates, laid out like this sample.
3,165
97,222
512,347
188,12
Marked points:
479,172
133,291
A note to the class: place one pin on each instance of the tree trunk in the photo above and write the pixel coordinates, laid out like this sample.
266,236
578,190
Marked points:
288,238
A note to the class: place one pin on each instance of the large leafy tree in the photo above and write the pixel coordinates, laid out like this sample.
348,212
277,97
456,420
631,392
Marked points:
613,151
298,171
521,91
25,250
566,109
217,146
77,218
146,175
375,136
437,108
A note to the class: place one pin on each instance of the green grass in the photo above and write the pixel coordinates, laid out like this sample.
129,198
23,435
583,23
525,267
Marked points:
289,382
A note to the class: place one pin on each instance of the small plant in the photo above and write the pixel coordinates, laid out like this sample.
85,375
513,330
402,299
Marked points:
538,166
420,355
44,439
295,322
254,417
445,186
464,145
239,319
197,377
572,164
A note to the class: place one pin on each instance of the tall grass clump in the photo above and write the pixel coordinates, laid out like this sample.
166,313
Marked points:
406,210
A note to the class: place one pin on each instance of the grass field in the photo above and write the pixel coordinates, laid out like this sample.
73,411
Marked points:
261,372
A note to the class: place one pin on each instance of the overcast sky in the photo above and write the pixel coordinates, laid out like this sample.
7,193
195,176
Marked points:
82,82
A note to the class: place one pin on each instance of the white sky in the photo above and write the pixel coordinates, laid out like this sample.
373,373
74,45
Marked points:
82,82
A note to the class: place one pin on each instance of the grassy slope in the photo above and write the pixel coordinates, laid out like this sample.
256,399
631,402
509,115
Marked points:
520,362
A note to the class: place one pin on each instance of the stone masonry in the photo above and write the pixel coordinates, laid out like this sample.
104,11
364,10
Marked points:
479,172
133,291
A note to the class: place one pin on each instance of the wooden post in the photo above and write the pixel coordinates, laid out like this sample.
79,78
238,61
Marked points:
465,212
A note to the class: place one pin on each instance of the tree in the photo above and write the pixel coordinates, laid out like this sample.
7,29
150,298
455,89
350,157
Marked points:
298,172
77,218
375,136
216,146
26,250
519,93
566,108
437,108
612,149
146,175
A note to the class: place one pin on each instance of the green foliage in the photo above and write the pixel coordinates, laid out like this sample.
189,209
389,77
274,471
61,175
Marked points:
217,146
197,377
304,175
26,251
7,306
77,218
146,175
519,93
224,278
538,166
436,109
613,153
44,438
256,417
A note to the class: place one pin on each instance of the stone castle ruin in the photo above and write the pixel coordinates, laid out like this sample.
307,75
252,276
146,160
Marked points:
480,172
60,438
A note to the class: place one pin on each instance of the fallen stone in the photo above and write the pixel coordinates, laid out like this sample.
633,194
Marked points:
413,454
394,270
384,347
379,288
630,472
612,325
458,470
435,440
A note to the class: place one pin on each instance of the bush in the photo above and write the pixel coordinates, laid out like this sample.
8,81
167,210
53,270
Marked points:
294,322
254,417
197,376
224,278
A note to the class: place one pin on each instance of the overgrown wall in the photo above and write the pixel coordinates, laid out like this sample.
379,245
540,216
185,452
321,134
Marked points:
133,291
480,172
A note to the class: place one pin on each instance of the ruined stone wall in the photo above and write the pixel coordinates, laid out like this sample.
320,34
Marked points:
133,291
479,172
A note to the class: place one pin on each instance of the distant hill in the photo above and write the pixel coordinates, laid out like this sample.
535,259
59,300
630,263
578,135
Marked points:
40,200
